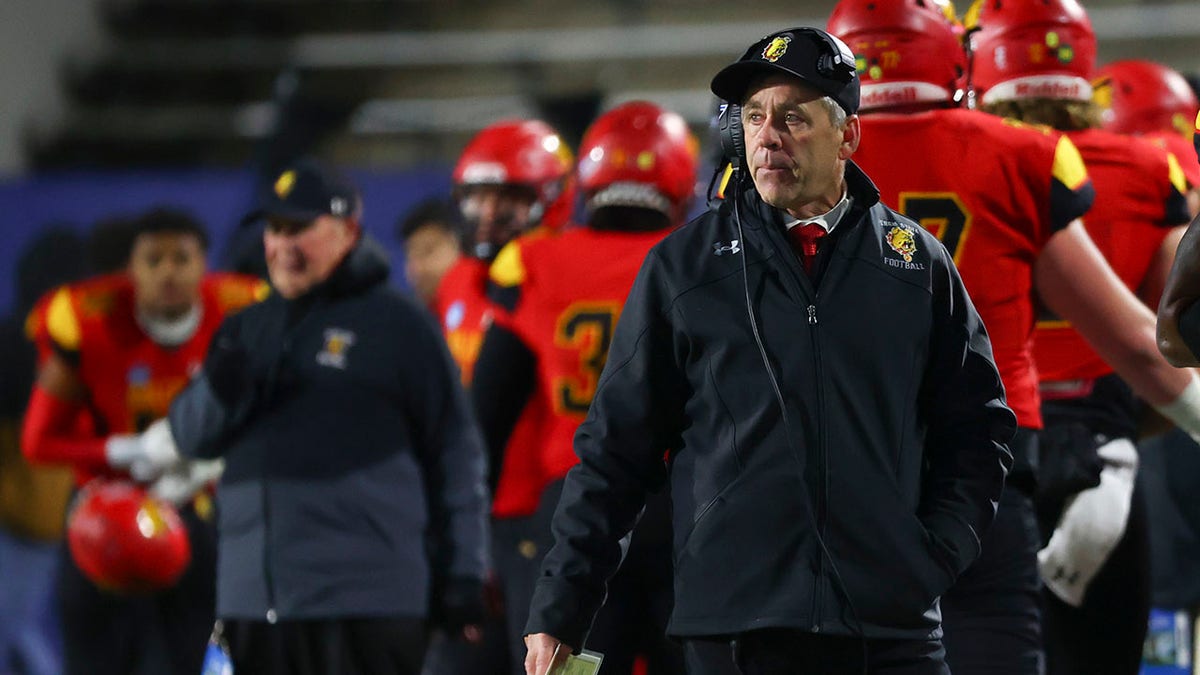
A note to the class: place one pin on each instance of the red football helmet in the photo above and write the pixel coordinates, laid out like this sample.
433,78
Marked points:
639,154
1143,97
528,153
1024,49
907,51
124,540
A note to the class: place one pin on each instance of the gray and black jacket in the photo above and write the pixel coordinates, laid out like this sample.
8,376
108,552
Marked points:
355,474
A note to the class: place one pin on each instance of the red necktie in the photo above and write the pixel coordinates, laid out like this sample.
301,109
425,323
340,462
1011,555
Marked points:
804,240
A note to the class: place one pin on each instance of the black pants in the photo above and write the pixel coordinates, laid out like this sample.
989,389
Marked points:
991,617
164,633
791,652
518,546
375,646
452,655
1106,634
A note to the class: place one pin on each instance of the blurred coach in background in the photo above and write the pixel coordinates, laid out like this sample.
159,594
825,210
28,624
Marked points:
353,505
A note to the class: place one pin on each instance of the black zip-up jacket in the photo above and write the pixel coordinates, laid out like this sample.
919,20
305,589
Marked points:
893,447
354,469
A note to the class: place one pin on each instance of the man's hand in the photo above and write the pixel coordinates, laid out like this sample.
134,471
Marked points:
146,455
460,611
544,652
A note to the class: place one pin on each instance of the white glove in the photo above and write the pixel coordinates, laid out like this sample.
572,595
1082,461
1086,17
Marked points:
146,455
1091,526
179,484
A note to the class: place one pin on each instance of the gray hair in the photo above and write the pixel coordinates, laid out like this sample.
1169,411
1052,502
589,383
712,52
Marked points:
837,114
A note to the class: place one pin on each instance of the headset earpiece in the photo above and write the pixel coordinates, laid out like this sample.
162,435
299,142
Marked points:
729,129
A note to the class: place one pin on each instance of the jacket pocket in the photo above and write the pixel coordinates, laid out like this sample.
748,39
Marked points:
894,574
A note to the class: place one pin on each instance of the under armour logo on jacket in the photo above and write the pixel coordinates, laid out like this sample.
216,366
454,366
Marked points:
730,248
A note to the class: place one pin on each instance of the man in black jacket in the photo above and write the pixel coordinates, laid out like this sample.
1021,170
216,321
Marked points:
835,423
353,502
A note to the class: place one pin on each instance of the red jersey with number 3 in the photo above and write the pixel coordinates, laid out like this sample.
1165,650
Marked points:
993,191
570,292
129,379
1139,197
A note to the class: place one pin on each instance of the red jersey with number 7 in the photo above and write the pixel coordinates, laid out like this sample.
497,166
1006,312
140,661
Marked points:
993,191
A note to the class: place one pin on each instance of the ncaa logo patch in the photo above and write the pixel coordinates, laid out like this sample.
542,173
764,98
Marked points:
455,314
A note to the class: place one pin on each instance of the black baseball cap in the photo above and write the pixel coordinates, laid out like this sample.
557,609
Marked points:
821,60
305,190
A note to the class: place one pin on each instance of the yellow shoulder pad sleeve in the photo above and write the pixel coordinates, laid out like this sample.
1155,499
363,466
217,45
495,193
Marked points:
1068,164
1176,174
62,324
508,269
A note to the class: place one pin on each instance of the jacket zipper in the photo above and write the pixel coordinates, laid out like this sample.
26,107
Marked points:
819,506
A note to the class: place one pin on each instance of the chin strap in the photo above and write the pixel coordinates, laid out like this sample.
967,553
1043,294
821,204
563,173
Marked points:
171,332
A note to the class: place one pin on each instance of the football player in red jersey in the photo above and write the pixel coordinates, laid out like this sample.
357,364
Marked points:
1148,99
512,177
121,346
1034,62
637,171
1004,198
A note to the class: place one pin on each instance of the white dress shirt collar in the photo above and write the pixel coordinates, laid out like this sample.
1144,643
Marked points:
827,220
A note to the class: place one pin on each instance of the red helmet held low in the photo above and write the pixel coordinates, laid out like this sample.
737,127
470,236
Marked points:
1143,97
907,51
528,153
124,540
639,154
1022,49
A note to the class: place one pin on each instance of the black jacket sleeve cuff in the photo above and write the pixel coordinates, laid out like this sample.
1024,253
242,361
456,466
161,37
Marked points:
562,610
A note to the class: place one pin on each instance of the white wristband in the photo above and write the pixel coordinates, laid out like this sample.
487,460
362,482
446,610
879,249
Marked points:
1184,411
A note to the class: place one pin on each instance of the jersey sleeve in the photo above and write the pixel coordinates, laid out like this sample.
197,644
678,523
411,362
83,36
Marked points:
506,277
1175,209
1071,191
36,329
63,332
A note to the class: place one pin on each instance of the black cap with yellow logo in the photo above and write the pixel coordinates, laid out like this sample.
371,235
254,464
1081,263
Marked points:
305,190
819,59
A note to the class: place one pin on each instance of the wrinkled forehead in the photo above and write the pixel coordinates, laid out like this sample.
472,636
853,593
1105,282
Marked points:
791,88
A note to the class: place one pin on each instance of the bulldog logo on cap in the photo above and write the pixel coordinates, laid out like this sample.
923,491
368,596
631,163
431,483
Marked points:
776,48
283,186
